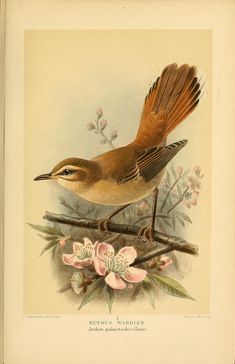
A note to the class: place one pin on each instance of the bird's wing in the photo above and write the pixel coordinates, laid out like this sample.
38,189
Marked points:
173,96
151,162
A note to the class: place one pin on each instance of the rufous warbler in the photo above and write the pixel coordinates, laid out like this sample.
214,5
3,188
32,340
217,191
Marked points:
127,174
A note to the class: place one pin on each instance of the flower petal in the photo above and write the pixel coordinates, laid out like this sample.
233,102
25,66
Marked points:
129,253
77,246
62,242
67,259
77,265
165,262
100,267
85,262
87,242
115,281
101,248
135,275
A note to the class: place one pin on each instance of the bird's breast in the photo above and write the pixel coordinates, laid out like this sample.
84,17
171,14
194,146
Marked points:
107,192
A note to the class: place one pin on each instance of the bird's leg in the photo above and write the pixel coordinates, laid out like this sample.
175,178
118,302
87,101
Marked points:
146,233
103,223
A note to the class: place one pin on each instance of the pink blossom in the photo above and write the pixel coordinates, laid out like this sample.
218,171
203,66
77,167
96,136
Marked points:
102,141
165,262
142,207
62,242
179,170
103,124
117,266
90,126
194,183
197,170
82,256
114,134
191,198
163,183
99,112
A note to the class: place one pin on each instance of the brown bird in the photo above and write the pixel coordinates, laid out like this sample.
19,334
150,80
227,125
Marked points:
130,173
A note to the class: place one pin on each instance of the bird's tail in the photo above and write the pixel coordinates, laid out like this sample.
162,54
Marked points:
172,97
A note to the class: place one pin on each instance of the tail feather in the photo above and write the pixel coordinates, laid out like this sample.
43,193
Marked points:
176,94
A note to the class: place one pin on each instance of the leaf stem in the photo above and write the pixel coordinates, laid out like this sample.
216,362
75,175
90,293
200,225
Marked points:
99,131
180,200
169,192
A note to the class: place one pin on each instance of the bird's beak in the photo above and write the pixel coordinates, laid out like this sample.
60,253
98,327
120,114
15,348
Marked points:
43,176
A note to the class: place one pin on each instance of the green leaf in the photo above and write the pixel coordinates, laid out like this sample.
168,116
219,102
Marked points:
170,286
57,226
160,225
76,282
179,190
53,252
93,290
173,171
48,237
47,229
181,221
168,178
149,291
136,290
49,246
109,297
184,216
185,173
65,288
173,220
166,222
175,262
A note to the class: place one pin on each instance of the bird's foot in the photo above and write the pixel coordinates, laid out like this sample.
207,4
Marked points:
146,234
102,224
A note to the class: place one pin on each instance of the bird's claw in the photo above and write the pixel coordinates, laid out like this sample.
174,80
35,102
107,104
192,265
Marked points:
146,234
102,225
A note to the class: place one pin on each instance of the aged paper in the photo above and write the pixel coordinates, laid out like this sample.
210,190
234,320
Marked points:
42,60
116,52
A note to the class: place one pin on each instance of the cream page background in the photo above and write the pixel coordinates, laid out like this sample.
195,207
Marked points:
68,75
198,339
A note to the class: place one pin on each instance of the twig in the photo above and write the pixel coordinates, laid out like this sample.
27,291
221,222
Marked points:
100,132
173,242
154,253
169,192
181,199
69,207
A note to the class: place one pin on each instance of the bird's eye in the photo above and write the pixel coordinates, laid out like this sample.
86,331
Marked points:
66,172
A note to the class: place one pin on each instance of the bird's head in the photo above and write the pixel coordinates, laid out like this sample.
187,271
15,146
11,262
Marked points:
72,173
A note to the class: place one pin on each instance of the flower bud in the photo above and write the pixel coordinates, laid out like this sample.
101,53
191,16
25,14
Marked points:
114,134
179,170
143,206
197,170
165,262
62,242
99,112
90,126
103,124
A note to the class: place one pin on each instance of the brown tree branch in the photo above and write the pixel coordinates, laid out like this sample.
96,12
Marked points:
154,253
170,241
